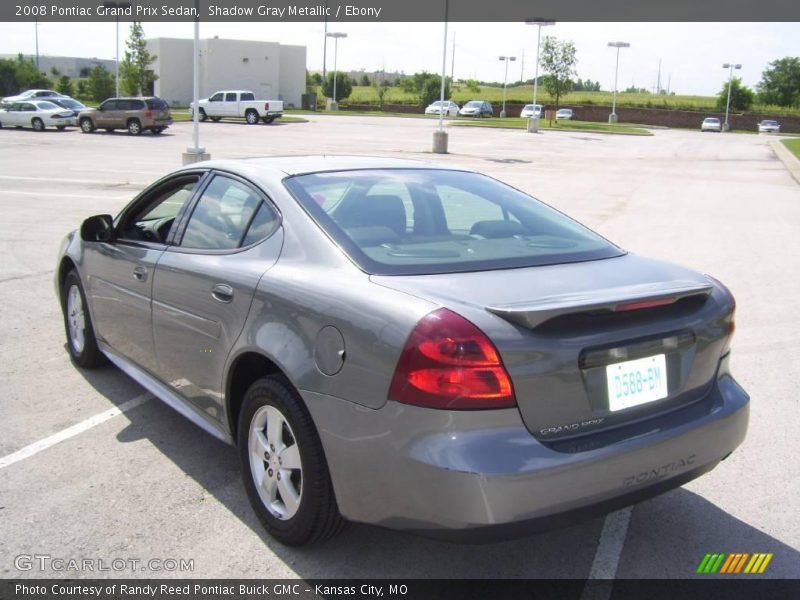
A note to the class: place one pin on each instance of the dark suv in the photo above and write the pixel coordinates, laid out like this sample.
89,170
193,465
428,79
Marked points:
134,114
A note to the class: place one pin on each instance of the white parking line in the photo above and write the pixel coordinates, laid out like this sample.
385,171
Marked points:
606,558
69,432
60,195
55,179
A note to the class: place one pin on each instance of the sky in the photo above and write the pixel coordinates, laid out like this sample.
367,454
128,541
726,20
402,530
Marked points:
691,54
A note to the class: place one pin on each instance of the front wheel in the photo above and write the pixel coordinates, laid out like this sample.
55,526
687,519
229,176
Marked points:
251,117
215,119
202,114
81,342
283,465
37,124
87,126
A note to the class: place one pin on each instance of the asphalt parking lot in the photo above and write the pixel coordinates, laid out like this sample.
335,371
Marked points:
147,484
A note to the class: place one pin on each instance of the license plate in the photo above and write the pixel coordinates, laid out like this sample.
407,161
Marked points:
636,382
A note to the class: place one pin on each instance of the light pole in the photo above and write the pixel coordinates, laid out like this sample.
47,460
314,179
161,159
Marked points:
612,118
36,25
118,6
335,35
196,153
506,60
533,122
730,67
440,135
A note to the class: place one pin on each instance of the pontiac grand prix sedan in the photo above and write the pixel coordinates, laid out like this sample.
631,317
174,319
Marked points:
398,343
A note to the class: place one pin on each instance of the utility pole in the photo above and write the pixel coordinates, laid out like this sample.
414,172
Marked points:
453,61
658,80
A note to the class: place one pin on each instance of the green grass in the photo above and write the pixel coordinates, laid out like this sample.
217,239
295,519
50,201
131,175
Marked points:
187,116
793,146
520,123
524,93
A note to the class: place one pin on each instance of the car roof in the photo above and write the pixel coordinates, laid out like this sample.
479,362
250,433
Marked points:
300,165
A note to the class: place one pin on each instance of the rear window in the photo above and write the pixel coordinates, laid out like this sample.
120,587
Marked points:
410,221
156,104
247,96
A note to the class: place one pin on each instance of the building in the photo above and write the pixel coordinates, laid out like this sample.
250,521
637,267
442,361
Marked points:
71,66
271,70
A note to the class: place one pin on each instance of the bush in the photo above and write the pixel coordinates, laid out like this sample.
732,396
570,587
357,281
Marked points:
344,86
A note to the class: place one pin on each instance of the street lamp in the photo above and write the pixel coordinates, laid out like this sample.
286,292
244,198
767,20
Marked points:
506,60
730,67
533,122
335,35
121,6
612,118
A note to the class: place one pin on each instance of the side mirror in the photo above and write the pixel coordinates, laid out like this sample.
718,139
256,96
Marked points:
97,229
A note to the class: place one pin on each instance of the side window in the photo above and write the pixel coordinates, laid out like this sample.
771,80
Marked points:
222,215
230,97
264,223
28,107
109,105
154,219
135,105
247,96
216,97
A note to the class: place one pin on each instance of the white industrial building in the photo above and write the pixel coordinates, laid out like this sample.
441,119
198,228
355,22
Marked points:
271,70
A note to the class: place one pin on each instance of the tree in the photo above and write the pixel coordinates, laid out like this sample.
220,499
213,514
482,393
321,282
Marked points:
472,86
365,80
742,97
316,79
380,91
558,61
432,89
64,86
136,76
82,90
27,75
100,84
780,83
344,86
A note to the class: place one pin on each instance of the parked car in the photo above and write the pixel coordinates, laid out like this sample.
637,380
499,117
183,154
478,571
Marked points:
476,108
479,367
134,114
767,126
38,114
531,110
564,114
239,104
30,95
69,103
449,108
711,124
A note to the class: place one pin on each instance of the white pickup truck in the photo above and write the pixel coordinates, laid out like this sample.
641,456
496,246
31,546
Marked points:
239,104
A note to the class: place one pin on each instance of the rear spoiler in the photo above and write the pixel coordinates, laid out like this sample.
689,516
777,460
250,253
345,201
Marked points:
533,313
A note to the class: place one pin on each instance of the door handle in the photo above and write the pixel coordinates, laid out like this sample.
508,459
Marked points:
140,273
222,292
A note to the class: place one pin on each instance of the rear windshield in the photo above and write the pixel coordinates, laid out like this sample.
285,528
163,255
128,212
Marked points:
156,104
46,105
418,221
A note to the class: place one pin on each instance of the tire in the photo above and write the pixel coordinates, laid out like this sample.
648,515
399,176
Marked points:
268,120
86,125
251,116
61,127
203,116
263,455
157,130
81,342
215,119
134,127
37,124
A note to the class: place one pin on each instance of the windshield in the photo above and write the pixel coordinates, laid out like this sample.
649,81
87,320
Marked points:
410,221
770,123
473,104
69,103
711,121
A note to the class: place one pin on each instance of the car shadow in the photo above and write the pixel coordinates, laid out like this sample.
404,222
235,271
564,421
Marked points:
124,133
676,527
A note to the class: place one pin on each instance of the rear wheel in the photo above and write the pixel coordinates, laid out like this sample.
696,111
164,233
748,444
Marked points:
37,124
134,127
251,116
268,120
87,126
81,343
283,465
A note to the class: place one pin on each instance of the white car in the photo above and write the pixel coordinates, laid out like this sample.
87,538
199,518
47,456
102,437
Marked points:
448,107
711,124
564,114
531,110
37,114
239,104
767,126
30,95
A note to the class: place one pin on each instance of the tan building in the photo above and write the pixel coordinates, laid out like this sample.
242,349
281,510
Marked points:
272,70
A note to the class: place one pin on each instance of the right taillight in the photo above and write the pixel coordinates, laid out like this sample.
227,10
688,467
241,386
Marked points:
731,316
449,363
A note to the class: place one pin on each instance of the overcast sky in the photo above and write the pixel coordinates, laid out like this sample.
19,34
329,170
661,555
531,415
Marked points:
691,54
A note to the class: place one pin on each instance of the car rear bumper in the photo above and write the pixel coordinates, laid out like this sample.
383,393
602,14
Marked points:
481,476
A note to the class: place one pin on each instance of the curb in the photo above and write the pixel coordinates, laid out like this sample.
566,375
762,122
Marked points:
554,130
788,159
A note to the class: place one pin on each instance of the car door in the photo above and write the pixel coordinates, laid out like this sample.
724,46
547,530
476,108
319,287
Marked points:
119,273
105,113
204,286
231,104
12,117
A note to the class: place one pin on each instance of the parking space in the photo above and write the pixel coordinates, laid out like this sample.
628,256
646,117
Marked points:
147,484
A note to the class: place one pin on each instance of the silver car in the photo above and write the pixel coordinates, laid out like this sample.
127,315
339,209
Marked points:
408,345
38,114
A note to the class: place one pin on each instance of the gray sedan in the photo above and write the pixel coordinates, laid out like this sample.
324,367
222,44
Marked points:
398,343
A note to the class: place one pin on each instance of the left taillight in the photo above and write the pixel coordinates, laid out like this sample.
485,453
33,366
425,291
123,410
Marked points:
449,363
731,318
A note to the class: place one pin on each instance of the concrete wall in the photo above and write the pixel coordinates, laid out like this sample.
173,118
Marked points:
271,70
